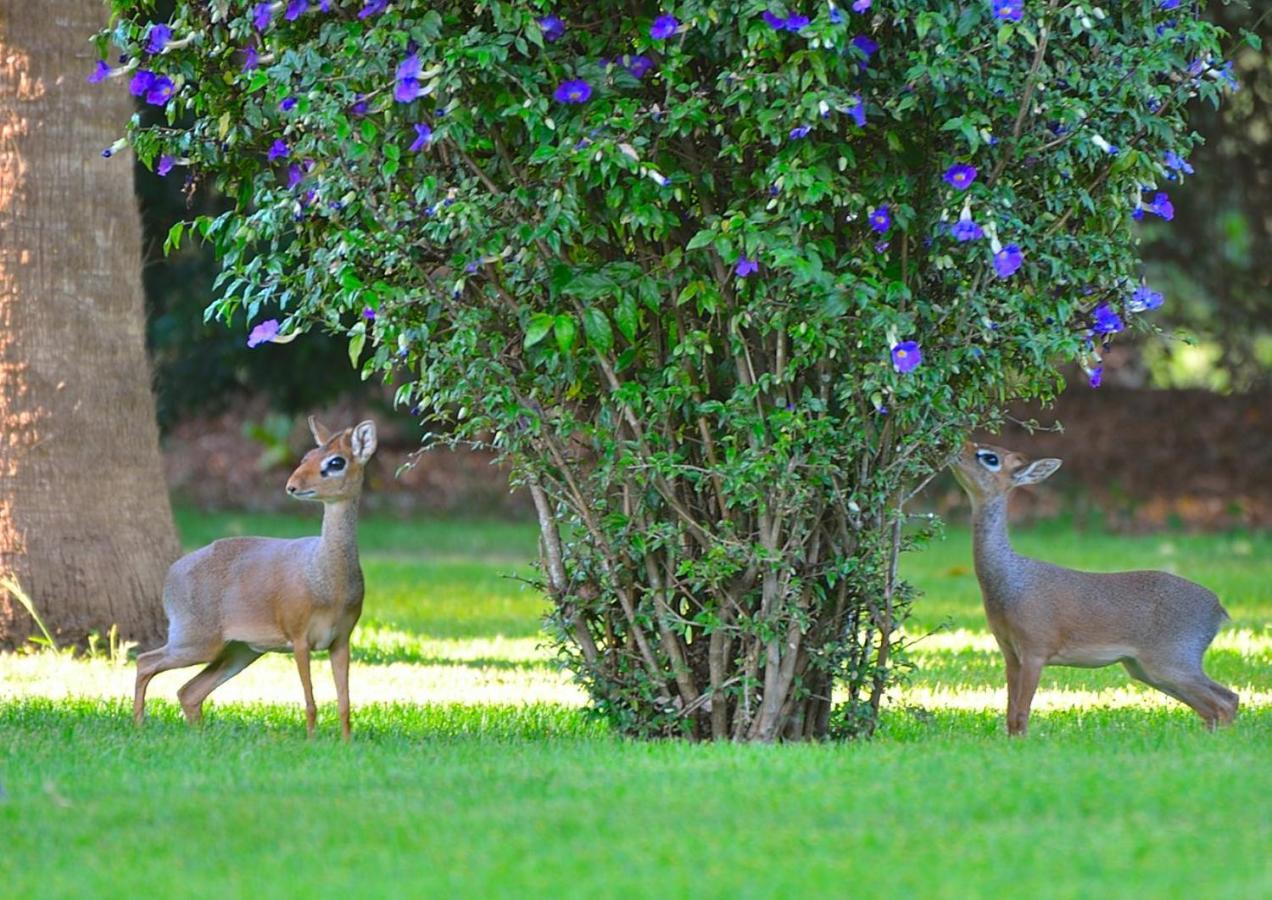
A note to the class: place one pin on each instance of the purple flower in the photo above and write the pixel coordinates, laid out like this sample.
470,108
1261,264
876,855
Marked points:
1178,163
1229,77
296,9
261,16
858,111
1160,205
423,135
157,38
324,5
1011,10
795,22
865,45
100,72
1144,299
575,90
800,131
368,313
966,230
836,17
773,20
263,333
359,108
961,175
407,86
745,267
250,59
1008,260
906,356
294,176
373,8
1168,4
664,27
288,104
277,150
141,83
160,91
637,66
881,219
861,5
166,163
553,28
1105,320
1097,374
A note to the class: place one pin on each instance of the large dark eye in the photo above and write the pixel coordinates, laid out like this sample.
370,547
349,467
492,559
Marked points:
334,464
989,460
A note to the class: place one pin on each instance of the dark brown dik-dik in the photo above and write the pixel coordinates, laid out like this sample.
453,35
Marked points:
238,598
1155,624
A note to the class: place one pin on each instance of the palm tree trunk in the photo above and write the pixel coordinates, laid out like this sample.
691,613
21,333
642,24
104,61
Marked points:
85,524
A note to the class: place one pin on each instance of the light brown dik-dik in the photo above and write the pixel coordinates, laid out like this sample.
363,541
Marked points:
1155,624
238,598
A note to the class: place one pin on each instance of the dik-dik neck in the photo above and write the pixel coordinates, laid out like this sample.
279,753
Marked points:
995,560
338,547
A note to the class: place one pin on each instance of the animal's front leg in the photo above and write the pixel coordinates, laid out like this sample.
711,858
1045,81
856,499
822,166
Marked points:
302,666
1026,684
340,672
1013,675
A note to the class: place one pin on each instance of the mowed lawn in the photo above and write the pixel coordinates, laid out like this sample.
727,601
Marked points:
476,771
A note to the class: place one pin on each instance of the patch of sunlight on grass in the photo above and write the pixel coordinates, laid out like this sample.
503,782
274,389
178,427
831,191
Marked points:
273,679
1128,696
1247,642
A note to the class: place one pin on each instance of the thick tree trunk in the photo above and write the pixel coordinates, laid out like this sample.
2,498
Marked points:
85,524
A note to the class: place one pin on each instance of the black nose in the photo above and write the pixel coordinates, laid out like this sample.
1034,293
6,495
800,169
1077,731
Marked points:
291,488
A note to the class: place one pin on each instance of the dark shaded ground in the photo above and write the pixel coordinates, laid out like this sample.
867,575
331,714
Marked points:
1133,461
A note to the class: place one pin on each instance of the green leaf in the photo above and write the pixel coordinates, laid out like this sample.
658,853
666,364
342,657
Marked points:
565,331
356,341
173,241
702,239
537,330
597,328
590,286
627,317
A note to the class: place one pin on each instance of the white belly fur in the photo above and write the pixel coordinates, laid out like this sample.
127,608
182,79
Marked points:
1091,657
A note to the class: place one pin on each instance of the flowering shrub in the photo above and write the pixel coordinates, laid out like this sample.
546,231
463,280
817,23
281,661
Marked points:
725,281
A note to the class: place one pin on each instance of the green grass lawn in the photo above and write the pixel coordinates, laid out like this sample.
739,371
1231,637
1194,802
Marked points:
475,770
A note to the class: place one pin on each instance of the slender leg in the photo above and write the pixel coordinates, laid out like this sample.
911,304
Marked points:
340,672
1013,675
1026,684
152,663
1190,685
1228,702
302,666
234,658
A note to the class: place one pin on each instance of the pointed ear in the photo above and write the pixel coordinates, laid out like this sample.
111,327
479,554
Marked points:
321,435
1036,471
363,441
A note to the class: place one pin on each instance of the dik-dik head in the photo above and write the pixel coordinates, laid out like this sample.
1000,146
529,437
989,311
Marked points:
986,472
333,470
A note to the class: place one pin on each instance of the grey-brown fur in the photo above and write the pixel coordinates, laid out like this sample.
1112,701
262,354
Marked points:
1156,624
237,598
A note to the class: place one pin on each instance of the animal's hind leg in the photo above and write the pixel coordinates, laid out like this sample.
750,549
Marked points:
1228,700
233,658
1187,684
153,662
